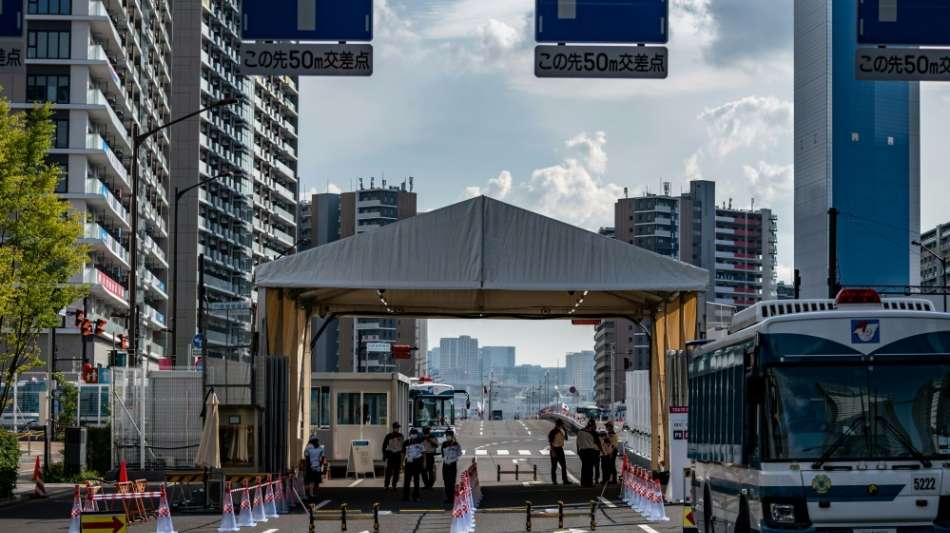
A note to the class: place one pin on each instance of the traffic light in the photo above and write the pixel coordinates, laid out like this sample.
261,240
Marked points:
86,328
401,351
80,316
100,326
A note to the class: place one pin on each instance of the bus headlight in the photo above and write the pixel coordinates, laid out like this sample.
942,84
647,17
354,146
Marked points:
782,513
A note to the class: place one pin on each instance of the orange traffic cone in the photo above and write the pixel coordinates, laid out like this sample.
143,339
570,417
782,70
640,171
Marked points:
75,524
39,489
123,472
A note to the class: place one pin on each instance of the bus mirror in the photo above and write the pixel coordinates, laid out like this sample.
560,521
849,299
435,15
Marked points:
755,389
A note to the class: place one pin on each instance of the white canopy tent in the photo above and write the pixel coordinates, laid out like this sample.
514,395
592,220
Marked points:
480,258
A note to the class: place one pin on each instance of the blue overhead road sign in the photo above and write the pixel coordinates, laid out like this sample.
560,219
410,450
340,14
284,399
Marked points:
11,18
909,22
602,21
307,20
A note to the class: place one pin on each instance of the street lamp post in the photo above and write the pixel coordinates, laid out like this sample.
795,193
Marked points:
943,269
174,294
137,140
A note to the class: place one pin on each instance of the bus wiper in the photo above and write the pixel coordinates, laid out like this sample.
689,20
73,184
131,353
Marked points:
914,452
838,443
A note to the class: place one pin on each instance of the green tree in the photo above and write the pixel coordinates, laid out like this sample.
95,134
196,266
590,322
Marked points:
38,249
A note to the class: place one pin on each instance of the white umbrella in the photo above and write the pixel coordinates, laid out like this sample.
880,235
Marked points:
209,451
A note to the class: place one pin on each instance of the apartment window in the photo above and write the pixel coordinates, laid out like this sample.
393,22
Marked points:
49,7
61,137
47,44
320,407
47,88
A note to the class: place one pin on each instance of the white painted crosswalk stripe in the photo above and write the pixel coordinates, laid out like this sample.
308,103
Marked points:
545,452
524,452
481,452
569,452
502,452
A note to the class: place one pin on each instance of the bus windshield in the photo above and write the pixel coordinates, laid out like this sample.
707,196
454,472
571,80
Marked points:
884,411
433,411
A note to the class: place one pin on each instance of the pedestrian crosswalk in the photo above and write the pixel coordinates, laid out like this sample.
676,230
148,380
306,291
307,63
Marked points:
502,452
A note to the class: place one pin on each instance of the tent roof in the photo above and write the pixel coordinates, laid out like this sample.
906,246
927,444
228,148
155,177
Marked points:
481,258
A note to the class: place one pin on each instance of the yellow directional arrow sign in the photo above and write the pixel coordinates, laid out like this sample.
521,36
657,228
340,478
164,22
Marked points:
98,523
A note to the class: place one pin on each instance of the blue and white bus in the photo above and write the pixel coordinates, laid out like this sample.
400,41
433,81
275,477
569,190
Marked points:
824,415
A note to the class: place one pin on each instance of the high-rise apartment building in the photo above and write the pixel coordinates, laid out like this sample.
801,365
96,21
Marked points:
459,360
245,213
497,357
579,373
343,346
106,68
650,221
857,149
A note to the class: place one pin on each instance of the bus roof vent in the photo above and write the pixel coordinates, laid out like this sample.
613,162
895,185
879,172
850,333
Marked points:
772,308
907,304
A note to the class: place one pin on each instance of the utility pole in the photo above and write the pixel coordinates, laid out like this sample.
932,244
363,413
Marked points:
833,285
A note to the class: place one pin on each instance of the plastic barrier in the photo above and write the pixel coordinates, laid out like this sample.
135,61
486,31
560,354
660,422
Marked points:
246,517
257,509
228,521
164,522
75,520
468,494
39,489
270,506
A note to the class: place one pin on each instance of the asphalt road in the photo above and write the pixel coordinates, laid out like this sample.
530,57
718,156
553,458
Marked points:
502,510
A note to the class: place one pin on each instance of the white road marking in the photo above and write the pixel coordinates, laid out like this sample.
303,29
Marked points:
322,504
524,452
271,530
569,452
481,452
647,528
574,480
357,482
607,502
545,452
502,452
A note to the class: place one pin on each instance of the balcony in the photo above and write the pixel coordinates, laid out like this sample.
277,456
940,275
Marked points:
153,250
103,286
102,111
153,317
103,241
100,152
96,193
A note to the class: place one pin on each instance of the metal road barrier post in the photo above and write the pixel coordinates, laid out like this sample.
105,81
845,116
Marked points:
527,519
560,514
376,518
516,471
535,472
499,472
313,518
343,517
593,515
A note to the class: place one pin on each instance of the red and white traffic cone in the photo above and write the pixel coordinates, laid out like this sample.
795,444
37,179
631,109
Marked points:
257,510
228,523
270,508
280,497
246,517
75,522
164,522
39,489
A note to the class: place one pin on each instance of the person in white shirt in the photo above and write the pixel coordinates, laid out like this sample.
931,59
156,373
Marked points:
314,456
414,464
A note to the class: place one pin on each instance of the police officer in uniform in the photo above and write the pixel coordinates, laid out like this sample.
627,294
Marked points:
392,453
430,445
451,453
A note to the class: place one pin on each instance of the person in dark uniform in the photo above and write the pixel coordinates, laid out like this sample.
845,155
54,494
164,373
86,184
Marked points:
430,445
392,454
414,464
451,453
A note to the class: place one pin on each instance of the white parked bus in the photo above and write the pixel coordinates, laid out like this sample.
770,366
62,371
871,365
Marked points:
824,415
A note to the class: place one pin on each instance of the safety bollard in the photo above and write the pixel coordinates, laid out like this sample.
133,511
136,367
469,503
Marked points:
499,472
593,515
517,473
527,519
313,518
535,472
376,518
560,514
343,517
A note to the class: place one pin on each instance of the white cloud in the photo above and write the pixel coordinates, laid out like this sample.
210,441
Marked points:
693,170
773,182
785,272
574,190
749,122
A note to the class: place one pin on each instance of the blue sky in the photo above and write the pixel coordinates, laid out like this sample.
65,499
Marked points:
453,102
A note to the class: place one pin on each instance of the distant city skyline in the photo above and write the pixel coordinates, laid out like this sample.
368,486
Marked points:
536,343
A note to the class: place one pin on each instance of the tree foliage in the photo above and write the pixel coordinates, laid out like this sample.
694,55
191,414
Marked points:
38,249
